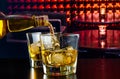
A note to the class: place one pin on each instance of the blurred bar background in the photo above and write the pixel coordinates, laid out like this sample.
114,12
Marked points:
82,10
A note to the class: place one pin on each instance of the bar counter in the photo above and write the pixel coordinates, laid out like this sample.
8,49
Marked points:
92,39
92,44
97,68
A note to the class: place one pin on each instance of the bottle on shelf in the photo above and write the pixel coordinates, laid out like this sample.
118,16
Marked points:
47,7
81,13
110,16
102,12
96,13
54,8
110,13
88,13
82,16
41,7
117,15
89,16
61,8
117,12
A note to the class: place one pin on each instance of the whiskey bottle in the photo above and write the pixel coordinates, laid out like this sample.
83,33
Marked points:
18,23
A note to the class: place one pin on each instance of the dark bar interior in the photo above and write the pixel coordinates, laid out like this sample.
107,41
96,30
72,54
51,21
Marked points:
96,21
79,16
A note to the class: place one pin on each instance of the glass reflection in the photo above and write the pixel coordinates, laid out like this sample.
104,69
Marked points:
72,76
36,73
33,76
102,43
102,29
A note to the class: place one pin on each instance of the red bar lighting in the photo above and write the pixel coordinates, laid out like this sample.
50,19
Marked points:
41,7
54,6
40,1
28,1
81,6
67,0
60,0
53,0
34,1
22,1
22,7
47,0
10,1
67,6
16,1
34,7
61,6
28,7
47,6
10,7
16,7
67,13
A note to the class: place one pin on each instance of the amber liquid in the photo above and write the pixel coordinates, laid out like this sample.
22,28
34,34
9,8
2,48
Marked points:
59,62
2,28
60,57
34,50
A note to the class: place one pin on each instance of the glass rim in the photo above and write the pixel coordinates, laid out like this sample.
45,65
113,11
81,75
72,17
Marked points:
70,34
61,34
33,32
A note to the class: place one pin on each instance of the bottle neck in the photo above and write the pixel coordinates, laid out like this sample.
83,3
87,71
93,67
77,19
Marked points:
43,21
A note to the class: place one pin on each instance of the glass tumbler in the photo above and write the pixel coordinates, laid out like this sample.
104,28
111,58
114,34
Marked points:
34,48
59,53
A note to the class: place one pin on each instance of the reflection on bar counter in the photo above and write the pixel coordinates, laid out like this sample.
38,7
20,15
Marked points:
72,76
37,74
